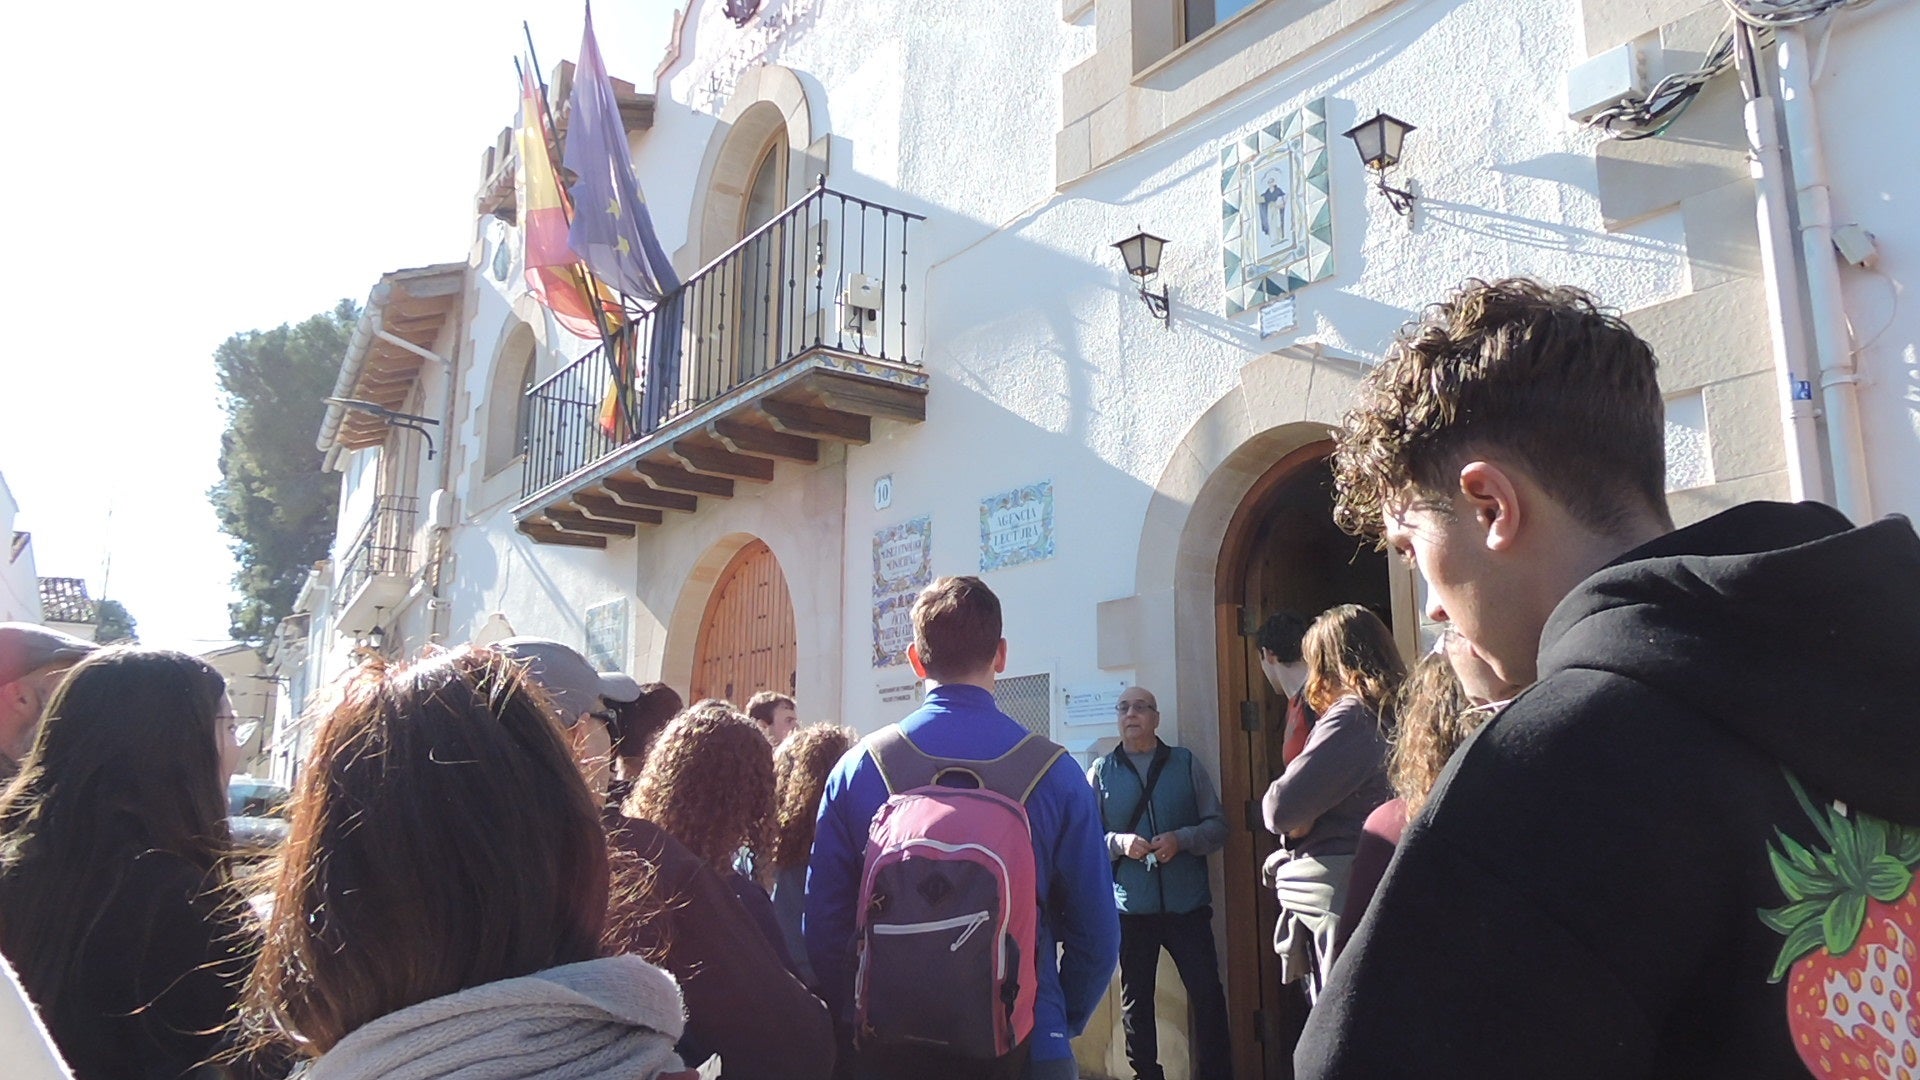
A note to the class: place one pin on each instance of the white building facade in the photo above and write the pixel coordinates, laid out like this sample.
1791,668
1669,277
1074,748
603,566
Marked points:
974,385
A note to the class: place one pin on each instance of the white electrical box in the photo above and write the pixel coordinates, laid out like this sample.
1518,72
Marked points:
1608,79
440,509
863,292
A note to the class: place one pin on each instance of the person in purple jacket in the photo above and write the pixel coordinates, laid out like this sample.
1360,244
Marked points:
958,648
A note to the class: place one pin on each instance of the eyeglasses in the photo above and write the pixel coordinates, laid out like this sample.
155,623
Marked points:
1126,707
610,718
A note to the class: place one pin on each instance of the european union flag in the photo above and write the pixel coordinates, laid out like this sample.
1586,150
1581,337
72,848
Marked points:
611,232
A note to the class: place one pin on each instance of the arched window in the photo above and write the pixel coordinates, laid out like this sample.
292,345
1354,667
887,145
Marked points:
509,417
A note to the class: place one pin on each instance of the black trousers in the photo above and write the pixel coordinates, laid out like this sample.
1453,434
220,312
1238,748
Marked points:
1188,938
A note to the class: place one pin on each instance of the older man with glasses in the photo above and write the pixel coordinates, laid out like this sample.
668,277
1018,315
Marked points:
1162,821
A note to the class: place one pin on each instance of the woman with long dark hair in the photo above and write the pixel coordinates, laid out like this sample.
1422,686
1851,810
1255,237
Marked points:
1318,805
439,905
115,905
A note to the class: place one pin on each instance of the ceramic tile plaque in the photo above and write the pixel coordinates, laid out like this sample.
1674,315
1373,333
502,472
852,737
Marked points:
902,566
1276,220
1016,526
607,635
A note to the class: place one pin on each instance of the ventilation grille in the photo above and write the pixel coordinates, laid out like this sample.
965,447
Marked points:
1028,699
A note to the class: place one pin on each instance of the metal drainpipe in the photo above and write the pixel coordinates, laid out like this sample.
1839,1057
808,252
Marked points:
1826,306
1786,313
437,605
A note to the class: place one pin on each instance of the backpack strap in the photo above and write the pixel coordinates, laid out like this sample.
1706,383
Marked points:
904,766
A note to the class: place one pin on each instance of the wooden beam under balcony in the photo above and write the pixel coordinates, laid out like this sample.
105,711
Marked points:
868,398
547,534
666,477
743,438
638,493
817,423
607,508
717,462
576,522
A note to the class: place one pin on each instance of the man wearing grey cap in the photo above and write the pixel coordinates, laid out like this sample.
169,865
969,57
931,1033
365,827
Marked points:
32,659
577,692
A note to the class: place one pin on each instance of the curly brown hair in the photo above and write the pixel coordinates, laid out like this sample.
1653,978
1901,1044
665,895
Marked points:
709,783
800,768
1435,717
1539,373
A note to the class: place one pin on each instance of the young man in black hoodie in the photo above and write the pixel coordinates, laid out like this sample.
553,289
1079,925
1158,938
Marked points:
1689,849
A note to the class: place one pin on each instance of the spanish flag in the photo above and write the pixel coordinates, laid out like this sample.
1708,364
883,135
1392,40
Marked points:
554,273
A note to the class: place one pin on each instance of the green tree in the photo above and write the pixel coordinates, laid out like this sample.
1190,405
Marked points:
112,622
273,497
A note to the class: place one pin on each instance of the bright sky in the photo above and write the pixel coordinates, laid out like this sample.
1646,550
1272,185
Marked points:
177,174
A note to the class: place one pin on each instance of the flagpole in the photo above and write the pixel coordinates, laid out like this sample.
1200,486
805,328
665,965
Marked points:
566,210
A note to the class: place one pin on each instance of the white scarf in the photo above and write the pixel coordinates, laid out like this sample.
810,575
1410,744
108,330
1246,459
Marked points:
616,1017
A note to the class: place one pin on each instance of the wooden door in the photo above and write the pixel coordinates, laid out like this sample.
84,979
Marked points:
1281,552
747,641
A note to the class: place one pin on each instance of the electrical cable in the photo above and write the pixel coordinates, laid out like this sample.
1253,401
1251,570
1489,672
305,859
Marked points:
1764,14
1648,116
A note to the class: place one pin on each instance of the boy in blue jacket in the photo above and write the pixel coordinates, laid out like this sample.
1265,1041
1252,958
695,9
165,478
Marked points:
958,649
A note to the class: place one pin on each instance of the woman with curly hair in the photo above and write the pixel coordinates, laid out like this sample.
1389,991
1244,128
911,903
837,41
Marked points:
685,908
1450,693
800,768
708,783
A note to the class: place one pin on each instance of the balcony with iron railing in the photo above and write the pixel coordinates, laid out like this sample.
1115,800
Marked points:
793,336
378,566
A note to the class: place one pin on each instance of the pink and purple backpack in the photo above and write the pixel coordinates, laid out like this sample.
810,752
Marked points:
949,901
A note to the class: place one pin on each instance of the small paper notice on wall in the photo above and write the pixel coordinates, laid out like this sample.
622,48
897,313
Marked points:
1091,704
1277,317
904,694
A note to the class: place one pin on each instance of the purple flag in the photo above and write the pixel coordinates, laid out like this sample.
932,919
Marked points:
611,232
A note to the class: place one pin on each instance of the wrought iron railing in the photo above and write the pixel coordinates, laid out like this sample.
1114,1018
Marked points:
384,544
829,272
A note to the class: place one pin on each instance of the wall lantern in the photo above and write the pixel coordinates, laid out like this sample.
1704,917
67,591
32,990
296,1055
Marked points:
1141,253
1378,140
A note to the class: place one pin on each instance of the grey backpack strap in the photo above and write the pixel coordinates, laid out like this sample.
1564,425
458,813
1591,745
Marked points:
1018,771
904,766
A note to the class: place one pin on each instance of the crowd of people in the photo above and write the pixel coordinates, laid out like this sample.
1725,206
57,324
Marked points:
1578,838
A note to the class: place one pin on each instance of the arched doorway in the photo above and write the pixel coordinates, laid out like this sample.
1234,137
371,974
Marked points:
747,641
1282,551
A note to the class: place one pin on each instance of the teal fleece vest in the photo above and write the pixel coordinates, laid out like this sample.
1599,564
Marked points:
1176,887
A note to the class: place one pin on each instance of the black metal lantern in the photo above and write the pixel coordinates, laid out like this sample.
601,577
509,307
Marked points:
1379,140
1141,254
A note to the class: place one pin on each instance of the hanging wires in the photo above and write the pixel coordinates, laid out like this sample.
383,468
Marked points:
1646,117
1767,14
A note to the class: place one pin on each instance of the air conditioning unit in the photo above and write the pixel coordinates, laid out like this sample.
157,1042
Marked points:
860,301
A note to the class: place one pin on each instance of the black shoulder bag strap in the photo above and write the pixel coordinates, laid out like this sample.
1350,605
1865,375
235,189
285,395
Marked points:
1160,756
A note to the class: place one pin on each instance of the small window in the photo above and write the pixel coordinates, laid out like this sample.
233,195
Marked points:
523,414
1200,16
